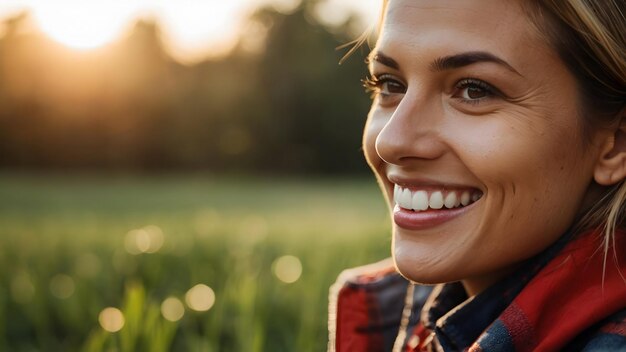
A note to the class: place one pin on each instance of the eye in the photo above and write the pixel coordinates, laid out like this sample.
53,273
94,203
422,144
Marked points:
386,87
473,91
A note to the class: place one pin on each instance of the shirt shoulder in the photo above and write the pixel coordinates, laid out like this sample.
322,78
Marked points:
609,335
365,307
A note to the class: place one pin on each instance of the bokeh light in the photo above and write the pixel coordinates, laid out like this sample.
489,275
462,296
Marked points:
62,286
148,239
111,319
155,234
200,298
181,144
287,269
172,309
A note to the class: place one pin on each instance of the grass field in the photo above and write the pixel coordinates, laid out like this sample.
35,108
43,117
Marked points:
72,246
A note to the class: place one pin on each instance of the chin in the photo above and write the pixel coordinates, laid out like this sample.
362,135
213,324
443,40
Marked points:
424,277
423,268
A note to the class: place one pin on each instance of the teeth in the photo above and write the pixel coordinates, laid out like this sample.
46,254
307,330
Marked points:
450,200
396,193
436,200
420,200
465,198
405,199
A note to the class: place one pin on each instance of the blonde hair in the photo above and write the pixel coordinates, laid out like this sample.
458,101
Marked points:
590,38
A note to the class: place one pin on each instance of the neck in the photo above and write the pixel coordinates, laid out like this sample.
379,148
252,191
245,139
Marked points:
478,284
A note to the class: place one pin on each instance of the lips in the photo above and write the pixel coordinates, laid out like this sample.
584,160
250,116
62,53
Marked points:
423,207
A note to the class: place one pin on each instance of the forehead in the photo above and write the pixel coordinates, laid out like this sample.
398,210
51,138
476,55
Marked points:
500,26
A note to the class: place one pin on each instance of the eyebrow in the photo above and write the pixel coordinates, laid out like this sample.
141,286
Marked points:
449,62
383,59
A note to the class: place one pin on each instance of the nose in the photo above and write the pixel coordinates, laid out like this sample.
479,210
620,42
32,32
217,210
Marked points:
413,132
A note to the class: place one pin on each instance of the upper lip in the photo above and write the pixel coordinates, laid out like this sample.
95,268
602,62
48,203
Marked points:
408,182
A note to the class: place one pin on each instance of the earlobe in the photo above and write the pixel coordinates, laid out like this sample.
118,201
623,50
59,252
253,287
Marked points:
611,166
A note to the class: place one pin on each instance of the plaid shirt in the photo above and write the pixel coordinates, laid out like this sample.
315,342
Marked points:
559,300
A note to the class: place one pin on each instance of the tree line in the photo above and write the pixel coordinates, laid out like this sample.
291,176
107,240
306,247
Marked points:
288,107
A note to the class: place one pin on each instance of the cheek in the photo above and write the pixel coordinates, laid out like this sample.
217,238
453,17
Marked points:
511,152
535,177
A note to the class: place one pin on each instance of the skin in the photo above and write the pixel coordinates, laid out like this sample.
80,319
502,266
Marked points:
519,143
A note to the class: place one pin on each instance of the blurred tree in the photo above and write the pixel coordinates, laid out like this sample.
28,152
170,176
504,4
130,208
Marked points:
316,108
279,103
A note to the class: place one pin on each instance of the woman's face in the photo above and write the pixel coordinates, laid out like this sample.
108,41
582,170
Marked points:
475,137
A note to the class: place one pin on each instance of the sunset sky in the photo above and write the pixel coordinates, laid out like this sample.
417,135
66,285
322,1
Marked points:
193,29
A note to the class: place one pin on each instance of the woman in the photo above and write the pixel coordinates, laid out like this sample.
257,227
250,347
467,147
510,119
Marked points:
498,136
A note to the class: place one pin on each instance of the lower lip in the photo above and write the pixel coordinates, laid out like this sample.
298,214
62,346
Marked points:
421,220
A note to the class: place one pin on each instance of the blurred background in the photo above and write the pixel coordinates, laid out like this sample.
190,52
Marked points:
181,175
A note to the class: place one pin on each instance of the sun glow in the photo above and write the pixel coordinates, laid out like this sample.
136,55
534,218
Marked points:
195,29
82,24
191,29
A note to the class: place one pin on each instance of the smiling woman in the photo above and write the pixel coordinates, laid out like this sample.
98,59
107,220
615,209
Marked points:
498,136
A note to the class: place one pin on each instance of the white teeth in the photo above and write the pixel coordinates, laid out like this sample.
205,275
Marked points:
450,200
465,198
405,199
420,200
436,200
396,193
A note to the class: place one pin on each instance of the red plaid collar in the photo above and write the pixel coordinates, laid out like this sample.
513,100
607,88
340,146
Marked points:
545,305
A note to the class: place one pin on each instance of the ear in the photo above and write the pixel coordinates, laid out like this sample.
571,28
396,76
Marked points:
611,165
